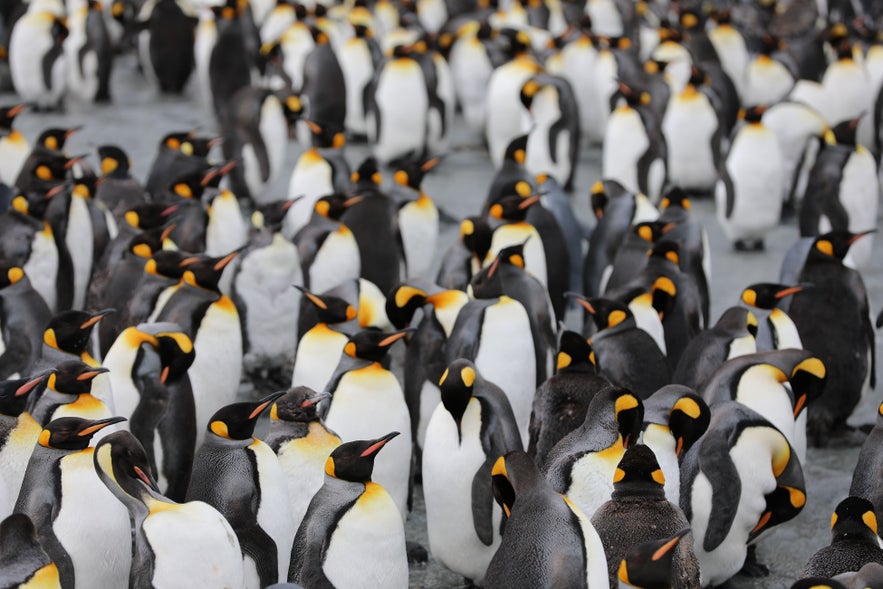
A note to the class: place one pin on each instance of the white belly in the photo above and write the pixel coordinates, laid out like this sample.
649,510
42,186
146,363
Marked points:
625,141
402,102
659,439
42,267
688,131
534,252
430,397
303,463
226,230
506,116
471,70
546,112
14,150
14,456
369,403
859,193
336,262
80,240
317,356
312,179
418,225
274,512
355,61
592,479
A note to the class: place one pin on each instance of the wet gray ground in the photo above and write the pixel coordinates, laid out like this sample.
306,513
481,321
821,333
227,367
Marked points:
138,118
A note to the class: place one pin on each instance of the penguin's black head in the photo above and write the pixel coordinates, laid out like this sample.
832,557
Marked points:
14,396
629,414
373,345
632,95
768,295
362,31
227,11
298,404
688,419
123,466
844,132
488,283
51,167
54,138
192,185
34,203
168,263
605,313
205,271
456,386
176,355
664,294
10,273
514,206
354,461
528,91
518,41
402,302
485,31
368,173
330,309
513,474
198,146
59,30
114,161
698,77
476,235
271,215
333,206
175,140
736,321
8,114
324,135
675,197
574,353
236,421
292,106
649,564
722,16
73,377
599,198
73,433
854,519
402,51
836,244
752,114
844,49
410,172
516,151
213,176
149,215
651,231
666,250
69,331
807,379
638,473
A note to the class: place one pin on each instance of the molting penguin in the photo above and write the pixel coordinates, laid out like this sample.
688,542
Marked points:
367,398
583,463
547,539
231,469
639,512
170,542
302,444
352,532
742,446
854,541
561,402
59,487
468,432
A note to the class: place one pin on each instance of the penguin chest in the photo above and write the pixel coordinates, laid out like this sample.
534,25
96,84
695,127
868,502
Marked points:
847,87
120,361
303,463
226,230
14,456
418,226
79,239
87,407
732,51
402,103
98,540
659,438
506,357
545,112
192,543
689,125
336,261
859,194
367,547
263,286
42,266
312,178
579,57
763,393
317,355
14,150
741,346
30,41
471,70
591,477
369,403
606,19
625,142
767,81
449,465
534,252
785,333
83,61
274,510
273,130
358,67
506,115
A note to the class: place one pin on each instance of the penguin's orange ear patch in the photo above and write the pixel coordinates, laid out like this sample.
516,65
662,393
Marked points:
825,246
467,375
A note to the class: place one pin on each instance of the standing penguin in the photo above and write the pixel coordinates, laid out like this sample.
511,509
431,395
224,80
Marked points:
165,46
742,446
583,463
842,191
320,345
22,560
324,86
553,140
59,487
833,320
468,432
89,53
359,56
649,564
366,398
396,107
14,148
854,541
148,374
36,56
240,476
638,511
327,249
352,533
417,217
748,195
471,61
302,443
778,331
169,542
548,541
769,75
561,402
230,62
23,315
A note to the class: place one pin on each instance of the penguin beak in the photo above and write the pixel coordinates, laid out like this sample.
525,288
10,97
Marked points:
316,399
353,200
670,545
99,425
313,126
145,478
429,164
73,161
312,298
391,339
582,301
71,131
166,232
169,210
90,374
858,236
55,190
31,384
264,404
222,263
529,201
378,444
290,202
16,110
96,318
493,267
788,291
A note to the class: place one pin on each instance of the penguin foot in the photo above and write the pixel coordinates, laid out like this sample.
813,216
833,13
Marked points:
417,554
752,567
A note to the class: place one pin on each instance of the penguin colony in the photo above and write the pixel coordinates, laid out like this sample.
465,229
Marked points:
567,406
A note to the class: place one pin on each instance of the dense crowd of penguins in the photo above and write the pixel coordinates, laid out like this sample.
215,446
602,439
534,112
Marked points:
651,448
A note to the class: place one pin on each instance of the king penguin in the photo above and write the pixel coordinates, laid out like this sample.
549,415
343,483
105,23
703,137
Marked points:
240,476
14,148
23,561
467,433
320,344
36,56
352,534
23,315
649,564
854,541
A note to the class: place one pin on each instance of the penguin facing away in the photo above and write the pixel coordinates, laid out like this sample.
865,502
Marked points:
854,541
